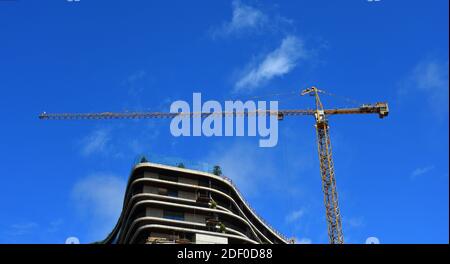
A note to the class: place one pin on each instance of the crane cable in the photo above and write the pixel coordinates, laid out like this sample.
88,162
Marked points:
273,95
265,96
348,99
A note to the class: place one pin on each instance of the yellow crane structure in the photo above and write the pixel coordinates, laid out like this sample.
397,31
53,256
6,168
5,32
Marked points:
333,216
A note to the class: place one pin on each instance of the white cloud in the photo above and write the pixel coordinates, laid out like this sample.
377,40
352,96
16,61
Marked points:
239,161
55,225
99,197
429,79
115,142
355,222
303,240
97,142
24,228
294,216
277,63
136,76
30,230
245,18
421,171
100,193
431,75
292,220
134,84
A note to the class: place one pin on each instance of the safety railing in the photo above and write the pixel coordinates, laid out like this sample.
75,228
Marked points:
253,210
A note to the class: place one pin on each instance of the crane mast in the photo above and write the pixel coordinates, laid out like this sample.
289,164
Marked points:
333,215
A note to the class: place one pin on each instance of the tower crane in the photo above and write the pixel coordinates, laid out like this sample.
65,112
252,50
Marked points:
333,216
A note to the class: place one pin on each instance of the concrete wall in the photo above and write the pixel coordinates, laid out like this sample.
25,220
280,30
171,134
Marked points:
154,212
187,195
188,180
150,189
150,175
208,239
159,234
194,218
182,194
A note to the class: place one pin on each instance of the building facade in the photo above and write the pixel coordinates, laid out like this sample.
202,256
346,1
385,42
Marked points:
165,204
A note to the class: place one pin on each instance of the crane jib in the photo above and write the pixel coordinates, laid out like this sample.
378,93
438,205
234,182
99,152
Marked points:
379,108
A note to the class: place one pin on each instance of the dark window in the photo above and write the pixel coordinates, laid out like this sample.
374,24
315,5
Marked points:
203,182
162,191
173,215
220,186
168,192
168,178
172,193
137,189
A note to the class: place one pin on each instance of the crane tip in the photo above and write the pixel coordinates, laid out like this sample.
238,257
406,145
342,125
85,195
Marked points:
43,115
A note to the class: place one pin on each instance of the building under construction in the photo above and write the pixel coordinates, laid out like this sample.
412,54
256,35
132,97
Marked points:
166,205
201,191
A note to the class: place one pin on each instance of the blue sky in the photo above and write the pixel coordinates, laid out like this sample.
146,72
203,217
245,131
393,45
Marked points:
67,178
